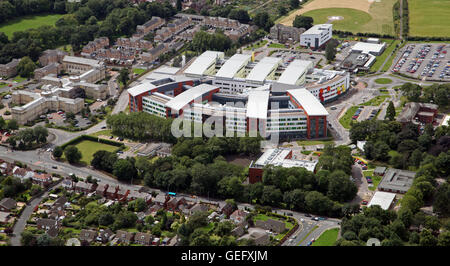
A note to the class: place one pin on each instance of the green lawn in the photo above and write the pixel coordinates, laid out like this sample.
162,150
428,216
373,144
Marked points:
383,90
375,179
19,79
207,228
314,142
28,22
139,70
393,153
2,84
347,117
327,238
257,45
429,18
391,44
306,152
383,81
88,148
106,132
276,45
376,101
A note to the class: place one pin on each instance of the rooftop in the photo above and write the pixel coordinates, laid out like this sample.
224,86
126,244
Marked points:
184,98
309,102
203,62
233,65
257,104
263,68
383,199
397,180
318,29
367,48
295,71
277,157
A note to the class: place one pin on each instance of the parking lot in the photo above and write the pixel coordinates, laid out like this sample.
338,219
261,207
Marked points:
289,56
429,61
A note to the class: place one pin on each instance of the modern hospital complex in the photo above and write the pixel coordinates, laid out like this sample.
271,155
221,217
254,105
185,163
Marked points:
243,95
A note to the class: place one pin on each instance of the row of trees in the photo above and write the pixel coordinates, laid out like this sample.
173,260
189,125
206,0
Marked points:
24,139
436,93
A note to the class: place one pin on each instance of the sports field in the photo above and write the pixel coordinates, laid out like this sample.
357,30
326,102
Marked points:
359,15
429,18
88,148
28,22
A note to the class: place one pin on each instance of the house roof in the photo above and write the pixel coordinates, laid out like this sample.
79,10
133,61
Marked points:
88,235
8,203
143,237
382,199
124,235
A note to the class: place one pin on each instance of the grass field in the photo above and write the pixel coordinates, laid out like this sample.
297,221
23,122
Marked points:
387,52
28,22
359,15
376,101
276,45
88,148
327,238
314,142
347,117
138,71
383,81
429,18
257,45
19,79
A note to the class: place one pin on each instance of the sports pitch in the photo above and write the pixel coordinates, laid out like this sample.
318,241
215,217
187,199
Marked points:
429,18
28,22
359,15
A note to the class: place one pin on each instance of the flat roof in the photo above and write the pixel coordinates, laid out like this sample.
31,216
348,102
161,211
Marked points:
203,62
263,68
294,71
233,65
141,88
81,60
382,199
277,157
167,70
257,104
318,29
397,180
184,98
366,47
309,103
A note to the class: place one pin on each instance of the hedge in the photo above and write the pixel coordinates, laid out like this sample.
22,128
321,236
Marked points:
92,138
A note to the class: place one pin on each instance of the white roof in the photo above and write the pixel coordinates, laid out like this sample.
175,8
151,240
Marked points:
81,60
366,47
189,95
318,29
166,70
203,62
277,157
141,88
257,104
233,65
383,199
294,71
263,68
309,102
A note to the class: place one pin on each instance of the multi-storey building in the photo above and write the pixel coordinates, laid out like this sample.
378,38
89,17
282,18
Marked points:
284,33
10,69
316,36
151,25
51,56
95,45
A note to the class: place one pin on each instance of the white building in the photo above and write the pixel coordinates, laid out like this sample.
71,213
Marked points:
382,199
317,35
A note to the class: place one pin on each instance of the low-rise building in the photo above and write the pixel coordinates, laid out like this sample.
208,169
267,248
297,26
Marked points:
283,33
10,69
396,181
383,199
7,204
53,68
272,225
95,45
143,239
124,236
51,56
151,25
316,36
154,53
88,235
418,112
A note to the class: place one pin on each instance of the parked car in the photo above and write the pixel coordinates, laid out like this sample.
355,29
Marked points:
307,215
364,202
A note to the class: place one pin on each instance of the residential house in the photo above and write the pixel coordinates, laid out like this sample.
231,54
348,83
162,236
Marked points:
228,209
51,56
260,238
67,184
95,45
105,235
4,217
101,189
139,195
154,53
111,192
42,179
160,199
5,168
238,231
151,25
7,204
84,187
22,173
238,216
174,202
50,226
124,236
143,239
88,235
272,225
199,207
122,194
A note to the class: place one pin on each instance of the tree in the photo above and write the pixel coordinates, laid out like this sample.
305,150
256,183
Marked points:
40,134
27,239
262,20
271,196
240,15
124,76
12,125
282,10
179,5
137,205
442,198
390,111
330,51
73,155
294,4
427,239
444,239
124,170
57,152
26,67
340,187
303,22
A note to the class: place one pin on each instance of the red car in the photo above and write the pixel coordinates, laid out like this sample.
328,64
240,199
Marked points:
364,202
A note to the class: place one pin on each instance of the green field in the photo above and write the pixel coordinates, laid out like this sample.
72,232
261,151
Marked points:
314,142
19,79
429,18
376,101
383,81
347,117
378,20
88,148
257,45
327,238
276,45
139,70
28,22
387,52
